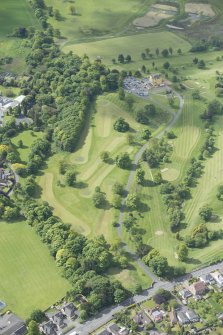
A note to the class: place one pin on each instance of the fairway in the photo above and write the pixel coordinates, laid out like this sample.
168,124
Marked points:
133,45
29,276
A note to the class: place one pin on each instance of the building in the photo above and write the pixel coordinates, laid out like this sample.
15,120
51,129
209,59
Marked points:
69,310
141,319
116,330
185,294
156,79
207,279
218,278
156,315
104,332
11,324
182,318
58,319
192,316
198,288
48,328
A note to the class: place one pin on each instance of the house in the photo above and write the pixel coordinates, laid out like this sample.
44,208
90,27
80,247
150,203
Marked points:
114,329
185,294
207,279
69,310
141,319
198,288
11,324
182,318
156,315
58,319
104,332
156,79
48,328
218,278
173,317
192,316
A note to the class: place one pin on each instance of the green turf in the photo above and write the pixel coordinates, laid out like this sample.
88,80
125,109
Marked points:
29,277
133,45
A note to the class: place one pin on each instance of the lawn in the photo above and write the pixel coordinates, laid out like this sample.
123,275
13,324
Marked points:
133,45
29,276
27,137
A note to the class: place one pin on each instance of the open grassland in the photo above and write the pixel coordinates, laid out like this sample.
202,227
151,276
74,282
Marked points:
96,17
29,277
27,137
15,14
133,45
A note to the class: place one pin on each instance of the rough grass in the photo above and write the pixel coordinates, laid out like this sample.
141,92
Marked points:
29,277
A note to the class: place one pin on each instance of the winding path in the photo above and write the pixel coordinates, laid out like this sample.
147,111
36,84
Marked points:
129,184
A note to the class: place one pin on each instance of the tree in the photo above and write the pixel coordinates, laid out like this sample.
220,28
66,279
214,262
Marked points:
105,156
128,59
145,134
159,265
158,178
157,52
182,252
72,10
166,65
20,144
121,93
99,199
121,125
119,295
143,55
70,178
132,201
118,188
140,176
206,213
37,315
220,192
121,59
62,167
130,101
170,51
57,15
33,328
143,69
165,53
201,64
147,51
116,201
179,51
123,160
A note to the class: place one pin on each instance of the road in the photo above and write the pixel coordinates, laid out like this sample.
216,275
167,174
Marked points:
137,158
107,314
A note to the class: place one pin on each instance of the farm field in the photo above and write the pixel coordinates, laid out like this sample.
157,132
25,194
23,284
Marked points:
29,276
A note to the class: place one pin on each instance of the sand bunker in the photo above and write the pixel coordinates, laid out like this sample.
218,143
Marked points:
159,232
156,13
199,9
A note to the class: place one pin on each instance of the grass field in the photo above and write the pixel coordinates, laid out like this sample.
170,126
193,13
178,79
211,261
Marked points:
133,45
97,18
29,276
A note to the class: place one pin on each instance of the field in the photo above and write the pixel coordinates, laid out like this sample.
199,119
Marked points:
133,45
29,277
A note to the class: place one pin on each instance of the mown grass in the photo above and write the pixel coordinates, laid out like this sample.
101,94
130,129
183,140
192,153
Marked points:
29,276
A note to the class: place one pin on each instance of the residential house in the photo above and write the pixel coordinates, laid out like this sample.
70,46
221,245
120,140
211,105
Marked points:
156,315
11,324
69,310
116,330
198,288
218,278
192,316
141,319
207,279
58,319
185,294
48,328
182,318
104,332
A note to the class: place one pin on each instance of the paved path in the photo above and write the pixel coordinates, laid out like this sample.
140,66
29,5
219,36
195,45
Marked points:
130,181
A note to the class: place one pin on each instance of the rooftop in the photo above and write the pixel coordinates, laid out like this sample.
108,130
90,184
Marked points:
11,324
